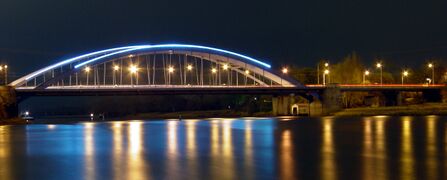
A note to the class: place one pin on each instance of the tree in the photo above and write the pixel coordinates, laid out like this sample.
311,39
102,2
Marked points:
349,71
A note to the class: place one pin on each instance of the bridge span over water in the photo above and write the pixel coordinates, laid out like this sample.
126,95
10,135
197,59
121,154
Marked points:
181,69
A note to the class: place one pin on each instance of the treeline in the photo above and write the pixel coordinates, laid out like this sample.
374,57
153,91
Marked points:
351,70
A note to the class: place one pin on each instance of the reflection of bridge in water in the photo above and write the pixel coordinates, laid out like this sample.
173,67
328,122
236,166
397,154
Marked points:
172,69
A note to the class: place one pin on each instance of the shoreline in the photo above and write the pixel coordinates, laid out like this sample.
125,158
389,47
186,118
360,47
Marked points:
426,109
439,109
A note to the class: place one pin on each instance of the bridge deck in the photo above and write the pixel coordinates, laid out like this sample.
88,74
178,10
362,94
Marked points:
186,89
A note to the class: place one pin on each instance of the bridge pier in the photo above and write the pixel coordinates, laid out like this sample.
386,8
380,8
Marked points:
8,103
444,95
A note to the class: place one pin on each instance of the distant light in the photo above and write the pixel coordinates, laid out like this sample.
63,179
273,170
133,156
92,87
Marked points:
326,71
225,66
133,69
131,56
6,66
214,70
87,69
247,72
285,70
116,67
326,64
378,65
405,73
189,67
91,115
51,126
27,113
171,69
1,68
430,65
367,72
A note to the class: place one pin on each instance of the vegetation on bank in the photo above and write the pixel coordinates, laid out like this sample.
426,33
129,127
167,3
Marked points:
351,69
410,110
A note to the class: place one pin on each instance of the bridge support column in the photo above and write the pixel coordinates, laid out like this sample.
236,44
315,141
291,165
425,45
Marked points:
332,100
316,107
8,103
281,105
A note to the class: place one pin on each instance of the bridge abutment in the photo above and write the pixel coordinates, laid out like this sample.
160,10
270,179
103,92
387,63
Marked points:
8,102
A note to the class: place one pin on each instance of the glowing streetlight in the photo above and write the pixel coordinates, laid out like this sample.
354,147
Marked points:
364,76
116,68
326,72
432,67
225,67
189,67
87,72
379,65
171,69
133,70
285,70
247,72
213,70
404,74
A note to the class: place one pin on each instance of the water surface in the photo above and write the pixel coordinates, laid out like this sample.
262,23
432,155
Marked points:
262,148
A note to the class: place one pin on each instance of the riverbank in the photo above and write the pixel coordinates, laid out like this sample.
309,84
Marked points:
13,121
410,110
197,115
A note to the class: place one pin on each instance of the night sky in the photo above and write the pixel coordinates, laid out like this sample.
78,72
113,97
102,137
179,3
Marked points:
36,33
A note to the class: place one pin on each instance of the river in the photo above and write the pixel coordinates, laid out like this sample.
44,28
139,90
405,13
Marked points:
377,147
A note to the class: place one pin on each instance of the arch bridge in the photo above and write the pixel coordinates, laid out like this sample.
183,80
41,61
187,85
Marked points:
156,67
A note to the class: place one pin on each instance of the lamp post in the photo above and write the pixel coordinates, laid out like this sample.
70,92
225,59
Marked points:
404,74
326,66
115,69
326,72
6,74
87,71
380,66
432,67
133,70
284,72
170,71
364,76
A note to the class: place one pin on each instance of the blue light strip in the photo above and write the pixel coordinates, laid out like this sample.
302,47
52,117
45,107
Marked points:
75,59
173,46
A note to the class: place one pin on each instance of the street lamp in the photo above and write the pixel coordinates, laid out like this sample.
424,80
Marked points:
285,70
326,72
6,74
432,67
87,71
404,74
171,69
214,70
364,76
326,65
247,72
133,70
380,66
115,69
225,67
189,67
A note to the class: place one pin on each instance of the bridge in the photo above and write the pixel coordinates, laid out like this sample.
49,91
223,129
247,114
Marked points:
171,69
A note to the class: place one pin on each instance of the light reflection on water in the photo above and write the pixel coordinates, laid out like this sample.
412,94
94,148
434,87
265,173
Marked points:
327,148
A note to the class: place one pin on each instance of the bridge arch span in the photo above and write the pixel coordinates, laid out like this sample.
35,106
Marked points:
173,65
